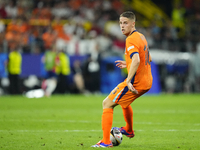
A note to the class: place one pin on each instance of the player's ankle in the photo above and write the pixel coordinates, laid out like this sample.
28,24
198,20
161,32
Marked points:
106,142
129,131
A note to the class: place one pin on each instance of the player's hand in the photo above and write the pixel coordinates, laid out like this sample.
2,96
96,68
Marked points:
131,88
121,64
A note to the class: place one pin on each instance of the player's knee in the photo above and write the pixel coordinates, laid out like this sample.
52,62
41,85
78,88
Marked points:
104,103
107,103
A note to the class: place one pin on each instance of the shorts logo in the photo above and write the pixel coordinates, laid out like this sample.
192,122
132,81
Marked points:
115,90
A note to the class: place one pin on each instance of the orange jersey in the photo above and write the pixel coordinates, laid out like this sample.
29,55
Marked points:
136,43
142,80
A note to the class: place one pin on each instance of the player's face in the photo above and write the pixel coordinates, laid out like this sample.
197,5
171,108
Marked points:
126,25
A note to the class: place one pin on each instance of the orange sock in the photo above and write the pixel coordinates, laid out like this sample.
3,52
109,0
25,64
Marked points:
128,117
107,119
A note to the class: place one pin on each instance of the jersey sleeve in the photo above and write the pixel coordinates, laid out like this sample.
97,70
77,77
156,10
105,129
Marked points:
132,47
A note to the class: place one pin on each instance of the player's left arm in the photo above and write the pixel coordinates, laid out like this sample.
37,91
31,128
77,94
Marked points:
133,68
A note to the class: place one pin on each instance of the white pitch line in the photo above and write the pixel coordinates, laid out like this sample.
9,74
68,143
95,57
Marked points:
90,121
168,112
174,130
50,131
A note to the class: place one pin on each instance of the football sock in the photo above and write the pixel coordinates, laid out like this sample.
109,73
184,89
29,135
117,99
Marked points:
107,119
128,117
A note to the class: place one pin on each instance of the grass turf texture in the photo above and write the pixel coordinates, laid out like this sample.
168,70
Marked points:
73,122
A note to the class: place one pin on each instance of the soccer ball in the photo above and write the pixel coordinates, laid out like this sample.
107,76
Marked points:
115,136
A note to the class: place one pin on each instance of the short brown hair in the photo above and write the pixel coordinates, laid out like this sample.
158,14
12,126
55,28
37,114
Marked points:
129,15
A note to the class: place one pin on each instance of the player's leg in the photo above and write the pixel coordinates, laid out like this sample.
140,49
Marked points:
107,119
128,112
128,117
51,86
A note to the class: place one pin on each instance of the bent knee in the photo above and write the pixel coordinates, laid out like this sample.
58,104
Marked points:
107,103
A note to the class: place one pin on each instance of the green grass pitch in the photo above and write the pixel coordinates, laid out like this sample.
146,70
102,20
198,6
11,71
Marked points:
73,122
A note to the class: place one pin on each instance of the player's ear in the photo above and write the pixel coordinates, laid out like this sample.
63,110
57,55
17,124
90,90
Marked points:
133,24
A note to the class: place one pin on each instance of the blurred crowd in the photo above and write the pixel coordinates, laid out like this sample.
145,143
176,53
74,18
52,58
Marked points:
90,27
79,26
73,26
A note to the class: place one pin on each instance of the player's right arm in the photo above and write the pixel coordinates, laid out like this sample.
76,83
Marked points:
121,64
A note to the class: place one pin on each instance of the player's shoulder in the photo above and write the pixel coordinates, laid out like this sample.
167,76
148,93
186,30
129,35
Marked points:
142,37
136,36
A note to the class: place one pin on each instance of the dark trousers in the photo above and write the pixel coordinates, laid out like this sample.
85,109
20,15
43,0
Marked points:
62,83
14,84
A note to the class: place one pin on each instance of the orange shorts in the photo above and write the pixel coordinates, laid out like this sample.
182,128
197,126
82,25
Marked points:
122,96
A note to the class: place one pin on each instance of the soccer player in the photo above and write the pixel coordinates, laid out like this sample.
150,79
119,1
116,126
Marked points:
138,81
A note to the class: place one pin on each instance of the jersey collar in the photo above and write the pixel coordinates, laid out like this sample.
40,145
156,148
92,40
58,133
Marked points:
133,32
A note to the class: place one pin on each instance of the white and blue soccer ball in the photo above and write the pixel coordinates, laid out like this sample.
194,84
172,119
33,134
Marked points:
116,136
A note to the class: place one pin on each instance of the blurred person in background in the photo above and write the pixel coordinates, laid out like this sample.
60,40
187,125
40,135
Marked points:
42,11
193,29
37,37
11,9
18,30
92,67
3,13
24,33
50,82
193,82
77,70
61,9
178,21
14,69
62,37
12,33
62,70
2,33
49,37
197,69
